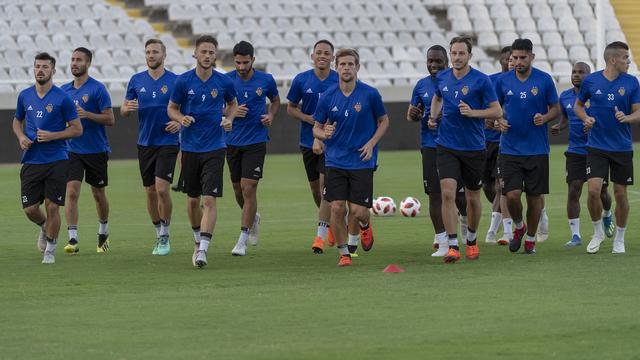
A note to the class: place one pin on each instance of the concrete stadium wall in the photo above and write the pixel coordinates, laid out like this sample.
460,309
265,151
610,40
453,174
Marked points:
402,135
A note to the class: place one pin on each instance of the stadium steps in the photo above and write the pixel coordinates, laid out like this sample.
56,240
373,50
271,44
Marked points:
628,13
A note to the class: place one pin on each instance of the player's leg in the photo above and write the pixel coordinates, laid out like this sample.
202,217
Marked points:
597,170
573,211
535,204
536,185
431,184
211,167
461,205
337,193
193,189
163,170
310,161
360,197
32,187
96,169
607,216
147,158
621,176
450,174
473,166
76,170
513,176
323,232
54,194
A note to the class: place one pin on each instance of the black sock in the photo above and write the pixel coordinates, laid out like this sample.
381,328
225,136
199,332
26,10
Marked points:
206,235
452,237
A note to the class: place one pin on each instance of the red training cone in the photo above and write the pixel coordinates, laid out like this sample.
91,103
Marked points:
393,268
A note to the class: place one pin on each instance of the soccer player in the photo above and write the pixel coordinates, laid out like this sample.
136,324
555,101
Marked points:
615,103
45,117
491,183
437,60
576,154
529,100
148,94
197,102
461,95
350,120
89,153
247,141
306,89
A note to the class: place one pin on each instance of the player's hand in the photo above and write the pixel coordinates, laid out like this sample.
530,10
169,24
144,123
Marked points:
329,129
501,125
465,109
226,124
318,147
266,119
24,142
620,116
366,151
44,135
242,110
415,113
432,123
132,105
489,124
187,120
81,113
555,129
538,119
588,123
172,127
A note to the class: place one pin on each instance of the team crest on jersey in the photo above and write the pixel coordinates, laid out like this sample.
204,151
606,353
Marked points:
164,89
357,107
587,104
534,91
85,98
621,91
465,90
214,93
49,108
259,91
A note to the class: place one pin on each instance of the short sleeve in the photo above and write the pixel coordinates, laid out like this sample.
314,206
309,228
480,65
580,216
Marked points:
584,94
416,99
498,91
104,99
295,95
272,88
229,91
69,111
437,90
488,91
320,115
178,95
563,109
377,106
131,90
20,107
635,95
552,93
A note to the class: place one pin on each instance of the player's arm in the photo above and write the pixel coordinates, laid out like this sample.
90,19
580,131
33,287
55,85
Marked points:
366,151
274,106
18,130
435,111
552,113
74,129
561,125
227,121
580,112
294,111
415,112
634,117
128,107
494,111
104,118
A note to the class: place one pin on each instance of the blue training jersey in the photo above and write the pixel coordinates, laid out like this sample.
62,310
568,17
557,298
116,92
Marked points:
608,133
153,97
204,101
253,93
51,113
577,137
492,135
305,90
422,95
356,120
457,131
521,100
93,97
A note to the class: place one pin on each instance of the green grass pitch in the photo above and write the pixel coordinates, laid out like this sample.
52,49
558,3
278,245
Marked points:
283,302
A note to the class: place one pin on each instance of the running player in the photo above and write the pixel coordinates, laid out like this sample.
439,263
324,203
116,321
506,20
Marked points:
45,117
490,181
247,142
148,94
89,153
530,100
303,96
197,102
615,103
462,94
576,154
350,120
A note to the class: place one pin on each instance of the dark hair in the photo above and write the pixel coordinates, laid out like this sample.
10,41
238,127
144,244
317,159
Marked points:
46,56
243,48
582,63
522,44
155,41
612,49
323,41
462,39
85,51
506,50
207,39
438,48
348,52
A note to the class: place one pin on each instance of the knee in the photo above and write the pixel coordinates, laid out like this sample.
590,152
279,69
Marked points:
151,190
594,192
620,193
52,208
31,211
248,191
209,202
513,196
162,193
72,195
98,194
448,195
338,208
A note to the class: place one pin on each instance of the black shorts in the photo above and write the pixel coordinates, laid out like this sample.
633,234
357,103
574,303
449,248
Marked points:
430,178
246,161
94,166
620,163
491,163
313,163
202,173
466,167
576,168
355,186
157,161
40,181
526,173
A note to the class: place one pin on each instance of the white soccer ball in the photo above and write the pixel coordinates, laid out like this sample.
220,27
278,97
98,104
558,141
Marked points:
383,206
410,207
